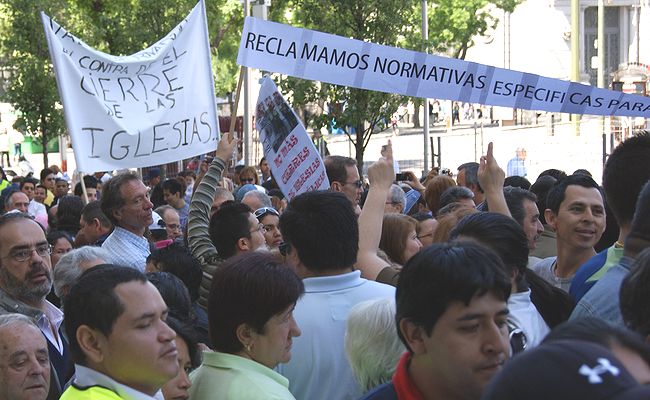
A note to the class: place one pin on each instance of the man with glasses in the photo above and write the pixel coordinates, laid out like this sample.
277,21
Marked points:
344,177
126,204
25,281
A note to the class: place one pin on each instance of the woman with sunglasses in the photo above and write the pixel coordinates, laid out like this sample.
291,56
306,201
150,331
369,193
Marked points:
270,218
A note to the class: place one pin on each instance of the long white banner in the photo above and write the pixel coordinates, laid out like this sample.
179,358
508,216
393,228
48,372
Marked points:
314,55
295,162
152,107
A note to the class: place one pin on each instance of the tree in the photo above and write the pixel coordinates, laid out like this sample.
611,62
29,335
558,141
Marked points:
453,25
32,87
359,113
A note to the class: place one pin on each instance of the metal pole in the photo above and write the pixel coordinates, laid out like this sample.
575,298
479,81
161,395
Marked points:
425,37
601,63
575,55
246,146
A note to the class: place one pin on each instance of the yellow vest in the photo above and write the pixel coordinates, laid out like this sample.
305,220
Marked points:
91,393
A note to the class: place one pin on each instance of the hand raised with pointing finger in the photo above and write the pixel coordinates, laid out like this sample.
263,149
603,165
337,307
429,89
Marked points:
490,175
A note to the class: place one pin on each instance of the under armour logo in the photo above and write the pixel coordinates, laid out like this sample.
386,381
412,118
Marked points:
594,373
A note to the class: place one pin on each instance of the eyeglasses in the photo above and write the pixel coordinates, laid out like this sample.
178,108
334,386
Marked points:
260,228
249,180
284,248
20,255
260,212
358,183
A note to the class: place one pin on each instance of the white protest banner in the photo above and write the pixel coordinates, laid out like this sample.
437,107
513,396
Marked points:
314,55
296,165
152,107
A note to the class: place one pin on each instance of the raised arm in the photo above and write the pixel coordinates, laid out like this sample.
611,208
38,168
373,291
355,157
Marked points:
199,218
491,177
381,176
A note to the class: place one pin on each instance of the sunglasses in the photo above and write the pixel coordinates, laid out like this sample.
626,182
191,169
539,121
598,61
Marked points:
249,180
261,212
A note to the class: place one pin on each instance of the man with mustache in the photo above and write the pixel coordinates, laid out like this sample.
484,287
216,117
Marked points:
576,212
25,281
24,361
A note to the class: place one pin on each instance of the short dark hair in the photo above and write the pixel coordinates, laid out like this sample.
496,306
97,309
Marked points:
555,173
626,171
89,181
92,302
174,293
541,188
93,210
634,295
173,186
454,194
112,194
501,234
177,260
471,174
228,225
335,167
517,181
443,273
515,201
28,180
322,227
45,172
54,236
556,195
250,288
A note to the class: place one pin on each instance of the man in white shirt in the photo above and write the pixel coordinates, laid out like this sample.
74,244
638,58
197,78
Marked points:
126,204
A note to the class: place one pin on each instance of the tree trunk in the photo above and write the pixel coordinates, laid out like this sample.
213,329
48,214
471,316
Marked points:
358,147
417,103
44,140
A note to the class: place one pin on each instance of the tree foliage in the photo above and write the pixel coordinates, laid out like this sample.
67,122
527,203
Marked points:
453,25
118,27
357,112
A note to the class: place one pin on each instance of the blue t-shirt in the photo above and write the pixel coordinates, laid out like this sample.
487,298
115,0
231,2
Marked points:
591,271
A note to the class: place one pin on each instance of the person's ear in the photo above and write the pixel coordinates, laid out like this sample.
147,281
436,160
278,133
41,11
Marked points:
243,244
96,224
245,335
551,218
92,343
336,186
414,336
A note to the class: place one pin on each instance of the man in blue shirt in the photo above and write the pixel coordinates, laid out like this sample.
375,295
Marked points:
517,165
625,173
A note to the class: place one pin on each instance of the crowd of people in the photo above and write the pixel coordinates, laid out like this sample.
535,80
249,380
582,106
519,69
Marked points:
213,285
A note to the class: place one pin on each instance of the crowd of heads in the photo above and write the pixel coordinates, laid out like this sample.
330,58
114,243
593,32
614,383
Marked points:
473,293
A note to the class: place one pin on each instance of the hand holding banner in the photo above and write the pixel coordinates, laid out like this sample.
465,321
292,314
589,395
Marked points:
149,108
